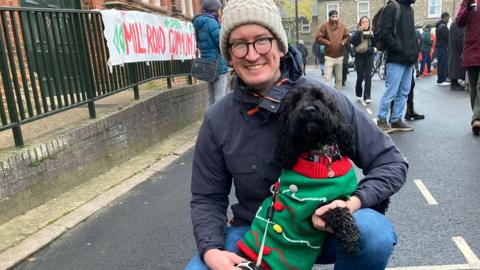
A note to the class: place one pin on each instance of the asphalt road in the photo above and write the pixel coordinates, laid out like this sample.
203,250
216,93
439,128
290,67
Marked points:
149,228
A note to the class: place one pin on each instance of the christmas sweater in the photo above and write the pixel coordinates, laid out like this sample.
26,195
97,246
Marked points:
291,240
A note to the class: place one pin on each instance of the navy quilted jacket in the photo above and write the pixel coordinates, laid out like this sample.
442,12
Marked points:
208,35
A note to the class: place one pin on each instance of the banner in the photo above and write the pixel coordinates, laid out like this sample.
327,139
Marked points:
134,36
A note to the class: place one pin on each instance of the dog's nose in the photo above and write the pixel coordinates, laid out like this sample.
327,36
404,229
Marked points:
310,109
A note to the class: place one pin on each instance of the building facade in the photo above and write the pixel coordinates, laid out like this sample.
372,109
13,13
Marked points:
182,9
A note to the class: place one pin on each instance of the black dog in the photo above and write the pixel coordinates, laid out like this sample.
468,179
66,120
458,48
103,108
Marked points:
310,120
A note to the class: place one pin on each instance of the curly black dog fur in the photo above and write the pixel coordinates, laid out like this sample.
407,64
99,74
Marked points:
309,119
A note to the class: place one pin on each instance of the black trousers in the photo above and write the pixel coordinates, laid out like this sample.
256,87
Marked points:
364,66
473,78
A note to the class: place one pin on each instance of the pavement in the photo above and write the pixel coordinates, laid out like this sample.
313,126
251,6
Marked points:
24,235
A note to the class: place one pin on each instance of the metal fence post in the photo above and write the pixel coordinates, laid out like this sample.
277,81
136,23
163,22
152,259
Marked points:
7,86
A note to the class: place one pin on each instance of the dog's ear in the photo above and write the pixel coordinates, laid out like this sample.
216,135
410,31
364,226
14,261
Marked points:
285,151
345,138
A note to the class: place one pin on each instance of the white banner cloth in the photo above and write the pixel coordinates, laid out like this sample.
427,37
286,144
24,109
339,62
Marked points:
134,36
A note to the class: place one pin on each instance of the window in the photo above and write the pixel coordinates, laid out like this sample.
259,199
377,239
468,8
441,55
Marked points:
190,2
187,8
184,7
363,9
334,6
434,8
157,3
305,28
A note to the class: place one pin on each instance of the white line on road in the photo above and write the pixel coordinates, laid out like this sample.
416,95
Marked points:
437,267
369,111
423,189
472,259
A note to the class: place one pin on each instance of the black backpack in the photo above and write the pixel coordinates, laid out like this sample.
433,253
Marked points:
377,24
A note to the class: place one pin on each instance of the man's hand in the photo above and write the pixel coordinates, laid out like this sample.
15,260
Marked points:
218,259
353,204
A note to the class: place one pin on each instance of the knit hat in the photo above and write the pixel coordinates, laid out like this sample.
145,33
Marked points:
211,5
262,12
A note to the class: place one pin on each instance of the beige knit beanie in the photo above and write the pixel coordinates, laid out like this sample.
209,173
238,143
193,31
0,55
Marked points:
261,12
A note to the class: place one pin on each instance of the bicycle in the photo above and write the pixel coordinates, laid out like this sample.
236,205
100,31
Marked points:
379,64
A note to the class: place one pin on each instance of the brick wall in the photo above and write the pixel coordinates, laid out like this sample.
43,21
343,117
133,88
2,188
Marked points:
35,174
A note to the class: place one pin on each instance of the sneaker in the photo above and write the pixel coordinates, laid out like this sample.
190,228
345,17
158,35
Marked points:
368,101
443,83
359,99
383,125
401,126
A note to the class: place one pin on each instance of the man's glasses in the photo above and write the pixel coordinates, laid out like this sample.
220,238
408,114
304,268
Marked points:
261,46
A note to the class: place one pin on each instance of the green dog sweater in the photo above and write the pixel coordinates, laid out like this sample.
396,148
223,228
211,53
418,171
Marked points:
292,242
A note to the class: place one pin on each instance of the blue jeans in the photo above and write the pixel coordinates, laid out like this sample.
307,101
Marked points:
377,239
397,87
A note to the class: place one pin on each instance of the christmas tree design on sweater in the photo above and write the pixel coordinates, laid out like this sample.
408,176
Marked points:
291,241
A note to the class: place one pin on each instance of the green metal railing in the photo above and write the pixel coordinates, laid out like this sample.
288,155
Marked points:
55,60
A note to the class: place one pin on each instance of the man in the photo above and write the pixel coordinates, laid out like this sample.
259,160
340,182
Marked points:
455,50
426,47
441,46
304,52
238,137
333,35
400,42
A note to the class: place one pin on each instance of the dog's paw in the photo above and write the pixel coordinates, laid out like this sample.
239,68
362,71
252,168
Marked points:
345,228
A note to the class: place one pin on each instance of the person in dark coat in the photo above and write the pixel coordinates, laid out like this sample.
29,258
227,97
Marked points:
207,28
469,16
455,49
441,47
425,48
238,137
316,52
304,52
363,60
347,51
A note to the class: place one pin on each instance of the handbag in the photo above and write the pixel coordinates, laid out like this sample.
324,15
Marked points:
202,68
362,47
205,69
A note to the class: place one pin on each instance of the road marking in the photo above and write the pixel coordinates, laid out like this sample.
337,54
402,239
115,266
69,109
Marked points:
437,267
369,111
423,189
472,259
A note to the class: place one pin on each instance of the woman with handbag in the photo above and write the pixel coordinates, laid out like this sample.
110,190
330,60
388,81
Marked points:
207,29
362,39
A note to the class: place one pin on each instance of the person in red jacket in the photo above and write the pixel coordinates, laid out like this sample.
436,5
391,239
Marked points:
469,15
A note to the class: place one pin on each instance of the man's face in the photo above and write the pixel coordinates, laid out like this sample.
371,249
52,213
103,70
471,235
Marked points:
259,68
446,19
333,18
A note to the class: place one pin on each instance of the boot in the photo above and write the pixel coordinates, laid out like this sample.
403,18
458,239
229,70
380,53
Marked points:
411,114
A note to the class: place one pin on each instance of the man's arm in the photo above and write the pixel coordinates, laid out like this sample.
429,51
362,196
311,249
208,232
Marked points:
383,165
321,36
211,183
345,36
388,28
